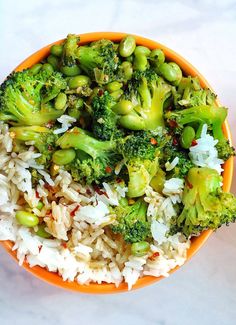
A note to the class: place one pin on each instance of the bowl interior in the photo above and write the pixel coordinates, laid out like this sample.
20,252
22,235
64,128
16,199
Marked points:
197,242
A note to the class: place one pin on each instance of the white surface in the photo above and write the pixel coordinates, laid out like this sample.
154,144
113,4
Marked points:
204,290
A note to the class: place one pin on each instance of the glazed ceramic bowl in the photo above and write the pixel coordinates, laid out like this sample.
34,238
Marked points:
196,243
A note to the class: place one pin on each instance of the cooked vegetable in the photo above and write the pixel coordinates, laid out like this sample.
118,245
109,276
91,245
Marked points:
26,98
95,160
132,223
206,206
99,61
27,219
148,93
43,139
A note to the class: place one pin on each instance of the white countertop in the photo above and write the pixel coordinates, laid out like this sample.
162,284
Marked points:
204,290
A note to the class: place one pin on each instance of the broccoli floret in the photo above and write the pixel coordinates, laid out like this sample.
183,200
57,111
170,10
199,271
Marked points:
139,144
140,152
206,206
69,53
168,153
132,222
96,159
225,151
24,97
148,93
198,115
99,60
190,93
104,123
43,138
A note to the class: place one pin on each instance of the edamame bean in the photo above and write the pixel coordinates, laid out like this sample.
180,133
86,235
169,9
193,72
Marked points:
36,68
140,62
127,46
132,122
40,205
113,86
127,70
130,58
63,156
79,81
41,232
178,72
117,94
60,101
140,249
27,219
56,50
142,50
53,60
157,57
48,68
187,137
72,71
168,72
123,107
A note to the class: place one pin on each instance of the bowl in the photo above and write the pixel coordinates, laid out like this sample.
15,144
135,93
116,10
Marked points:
196,243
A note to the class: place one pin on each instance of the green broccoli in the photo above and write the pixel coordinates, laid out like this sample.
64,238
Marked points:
198,115
99,60
131,221
225,151
24,97
206,206
140,152
104,120
69,51
96,159
44,140
168,153
148,93
190,93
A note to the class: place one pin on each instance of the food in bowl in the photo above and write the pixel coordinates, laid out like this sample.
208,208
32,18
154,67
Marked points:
111,161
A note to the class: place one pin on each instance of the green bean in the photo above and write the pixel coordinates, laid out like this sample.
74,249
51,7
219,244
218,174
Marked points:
140,249
79,81
41,232
53,60
36,68
168,72
132,122
113,86
40,205
48,68
178,72
140,62
63,156
142,50
27,219
127,69
157,57
117,94
123,107
72,71
127,46
60,101
56,50
187,137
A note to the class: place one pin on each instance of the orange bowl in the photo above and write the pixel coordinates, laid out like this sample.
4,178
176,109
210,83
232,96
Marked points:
197,242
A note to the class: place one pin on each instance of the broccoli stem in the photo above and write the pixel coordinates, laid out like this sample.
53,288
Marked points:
79,139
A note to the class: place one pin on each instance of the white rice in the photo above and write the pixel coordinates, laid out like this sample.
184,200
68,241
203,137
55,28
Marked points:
66,122
83,248
204,153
